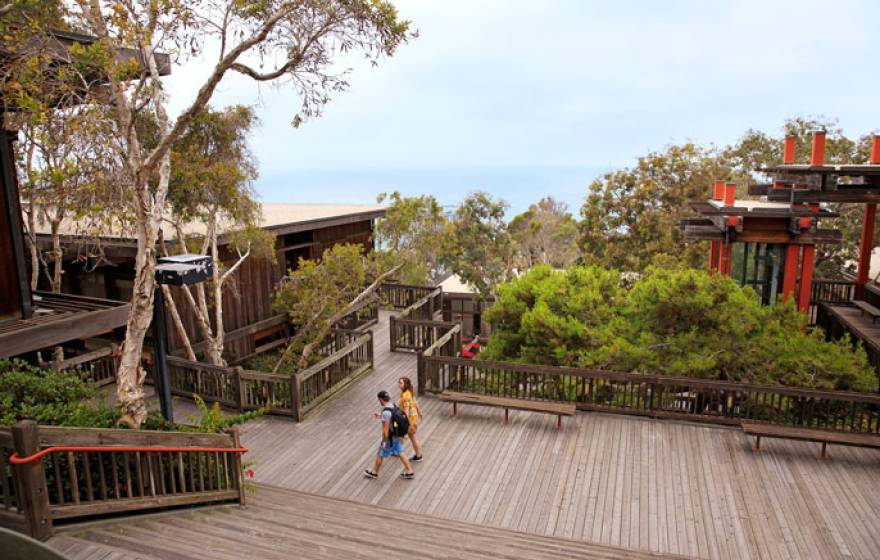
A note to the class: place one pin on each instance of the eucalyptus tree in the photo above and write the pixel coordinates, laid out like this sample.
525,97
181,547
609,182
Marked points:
211,187
290,43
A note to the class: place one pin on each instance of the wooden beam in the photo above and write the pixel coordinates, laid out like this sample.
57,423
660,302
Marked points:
68,326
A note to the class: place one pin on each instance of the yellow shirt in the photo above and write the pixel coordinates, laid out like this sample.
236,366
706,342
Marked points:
407,404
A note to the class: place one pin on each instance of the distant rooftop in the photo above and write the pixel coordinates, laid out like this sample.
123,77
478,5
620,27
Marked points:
278,218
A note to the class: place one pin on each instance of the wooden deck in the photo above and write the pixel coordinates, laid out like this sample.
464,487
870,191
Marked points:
859,324
619,481
282,524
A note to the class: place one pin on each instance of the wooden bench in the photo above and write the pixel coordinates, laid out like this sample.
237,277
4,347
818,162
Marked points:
868,308
824,437
558,408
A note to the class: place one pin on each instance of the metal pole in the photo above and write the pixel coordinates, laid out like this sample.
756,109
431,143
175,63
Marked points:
161,383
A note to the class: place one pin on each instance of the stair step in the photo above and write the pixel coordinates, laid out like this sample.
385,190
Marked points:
279,523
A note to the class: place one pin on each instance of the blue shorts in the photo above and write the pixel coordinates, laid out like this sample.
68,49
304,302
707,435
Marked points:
394,448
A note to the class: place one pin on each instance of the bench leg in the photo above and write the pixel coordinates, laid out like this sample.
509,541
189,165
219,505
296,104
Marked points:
506,415
824,449
455,409
757,444
559,422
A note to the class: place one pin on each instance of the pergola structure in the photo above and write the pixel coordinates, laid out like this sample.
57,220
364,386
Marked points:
817,182
780,234
784,223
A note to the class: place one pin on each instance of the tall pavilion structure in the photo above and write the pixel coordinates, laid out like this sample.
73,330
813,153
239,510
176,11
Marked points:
769,244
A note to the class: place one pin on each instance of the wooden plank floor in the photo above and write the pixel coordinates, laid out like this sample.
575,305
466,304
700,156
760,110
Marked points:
622,481
281,524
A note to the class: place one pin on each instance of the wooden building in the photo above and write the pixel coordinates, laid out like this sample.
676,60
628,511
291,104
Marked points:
300,231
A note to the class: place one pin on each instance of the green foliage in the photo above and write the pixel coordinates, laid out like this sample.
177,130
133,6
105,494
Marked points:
56,398
672,321
47,397
212,420
545,233
632,215
411,233
478,246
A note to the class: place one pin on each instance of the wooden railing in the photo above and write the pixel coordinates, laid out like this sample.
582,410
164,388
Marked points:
657,396
122,471
347,353
12,515
316,384
835,292
832,291
98,365
414,328
400,296
362,316
448,345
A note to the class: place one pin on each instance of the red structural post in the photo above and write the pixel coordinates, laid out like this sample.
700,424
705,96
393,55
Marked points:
818,154
866,243
789,279
809,257
788,149
875,150
715,246
714,250
718,192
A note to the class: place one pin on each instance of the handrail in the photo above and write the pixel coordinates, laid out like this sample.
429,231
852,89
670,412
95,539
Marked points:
660,379
312,370
429,351
16,460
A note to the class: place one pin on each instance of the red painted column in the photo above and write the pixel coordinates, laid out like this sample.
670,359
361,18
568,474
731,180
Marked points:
715,246
818,154
808,260
866,243
788,149
727,248
789,279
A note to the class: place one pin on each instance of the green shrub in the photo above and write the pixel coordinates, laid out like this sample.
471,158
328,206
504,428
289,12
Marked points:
671,321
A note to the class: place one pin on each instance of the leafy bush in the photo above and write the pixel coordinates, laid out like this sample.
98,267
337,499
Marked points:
48,397
671,321
68,399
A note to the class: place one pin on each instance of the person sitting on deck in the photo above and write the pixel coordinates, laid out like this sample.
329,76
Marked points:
472,348
390,444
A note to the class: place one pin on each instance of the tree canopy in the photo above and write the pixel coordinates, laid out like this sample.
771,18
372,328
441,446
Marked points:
672,321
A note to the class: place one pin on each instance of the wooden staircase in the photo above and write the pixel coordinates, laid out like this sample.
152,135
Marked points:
283,524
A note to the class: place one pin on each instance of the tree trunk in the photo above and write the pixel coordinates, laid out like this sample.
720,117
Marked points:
130,376
171,305
57,258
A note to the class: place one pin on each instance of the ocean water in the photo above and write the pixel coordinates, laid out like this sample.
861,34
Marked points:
518,186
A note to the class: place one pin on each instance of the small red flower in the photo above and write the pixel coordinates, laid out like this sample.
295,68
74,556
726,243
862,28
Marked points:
250,473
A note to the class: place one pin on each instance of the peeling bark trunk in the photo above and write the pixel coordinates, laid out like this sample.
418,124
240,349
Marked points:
130,376
57,258
178,323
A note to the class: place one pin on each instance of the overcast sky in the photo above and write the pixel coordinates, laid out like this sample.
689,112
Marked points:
530,98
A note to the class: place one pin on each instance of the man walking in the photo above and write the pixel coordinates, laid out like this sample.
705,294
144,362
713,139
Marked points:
391,444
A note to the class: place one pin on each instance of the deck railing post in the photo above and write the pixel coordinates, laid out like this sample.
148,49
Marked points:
420,373
239,475
295,397
33,497
239,387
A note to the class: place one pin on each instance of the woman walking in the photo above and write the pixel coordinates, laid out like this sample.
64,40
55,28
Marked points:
407,403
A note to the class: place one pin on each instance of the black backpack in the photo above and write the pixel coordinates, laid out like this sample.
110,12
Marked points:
399,422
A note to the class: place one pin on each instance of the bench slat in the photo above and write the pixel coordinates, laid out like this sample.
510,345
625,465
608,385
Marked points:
867,308
563,409
809,434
